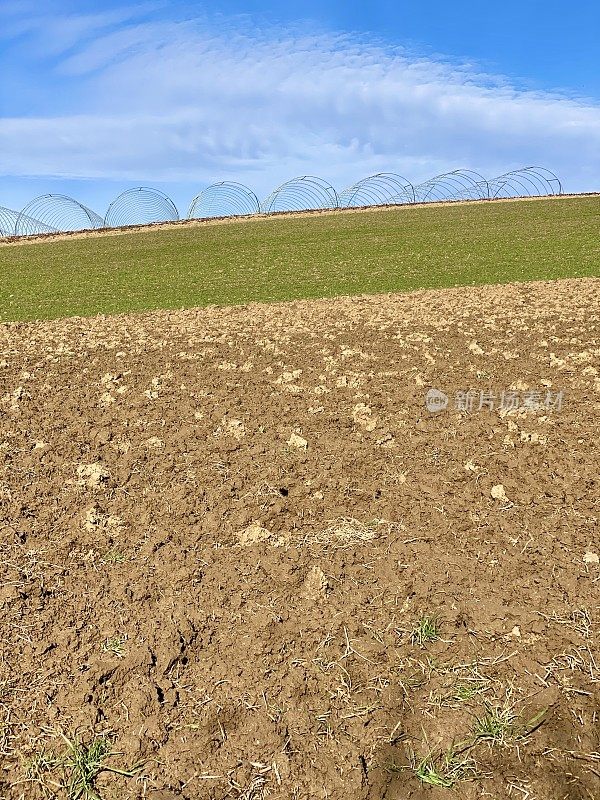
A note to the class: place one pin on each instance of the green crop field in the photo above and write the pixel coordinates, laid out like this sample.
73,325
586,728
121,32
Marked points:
281,258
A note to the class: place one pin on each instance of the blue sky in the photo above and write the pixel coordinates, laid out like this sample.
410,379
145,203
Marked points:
98,97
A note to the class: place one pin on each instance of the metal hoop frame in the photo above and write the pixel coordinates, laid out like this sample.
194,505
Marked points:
384,188
56,213
140,206
461,184
301,194
526,182
8,223
225,199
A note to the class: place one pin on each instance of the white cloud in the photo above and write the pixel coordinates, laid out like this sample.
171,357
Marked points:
198,101
52,33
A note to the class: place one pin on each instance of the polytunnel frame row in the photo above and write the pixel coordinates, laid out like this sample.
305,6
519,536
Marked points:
57,213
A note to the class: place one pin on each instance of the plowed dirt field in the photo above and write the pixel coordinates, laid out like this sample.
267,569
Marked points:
240,558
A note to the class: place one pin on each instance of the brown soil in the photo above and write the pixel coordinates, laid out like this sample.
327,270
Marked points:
194,223
220,528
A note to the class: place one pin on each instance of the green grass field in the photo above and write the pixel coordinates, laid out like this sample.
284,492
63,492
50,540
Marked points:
282,258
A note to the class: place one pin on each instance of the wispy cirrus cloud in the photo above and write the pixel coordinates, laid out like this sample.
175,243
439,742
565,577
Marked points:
201,99
51,32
